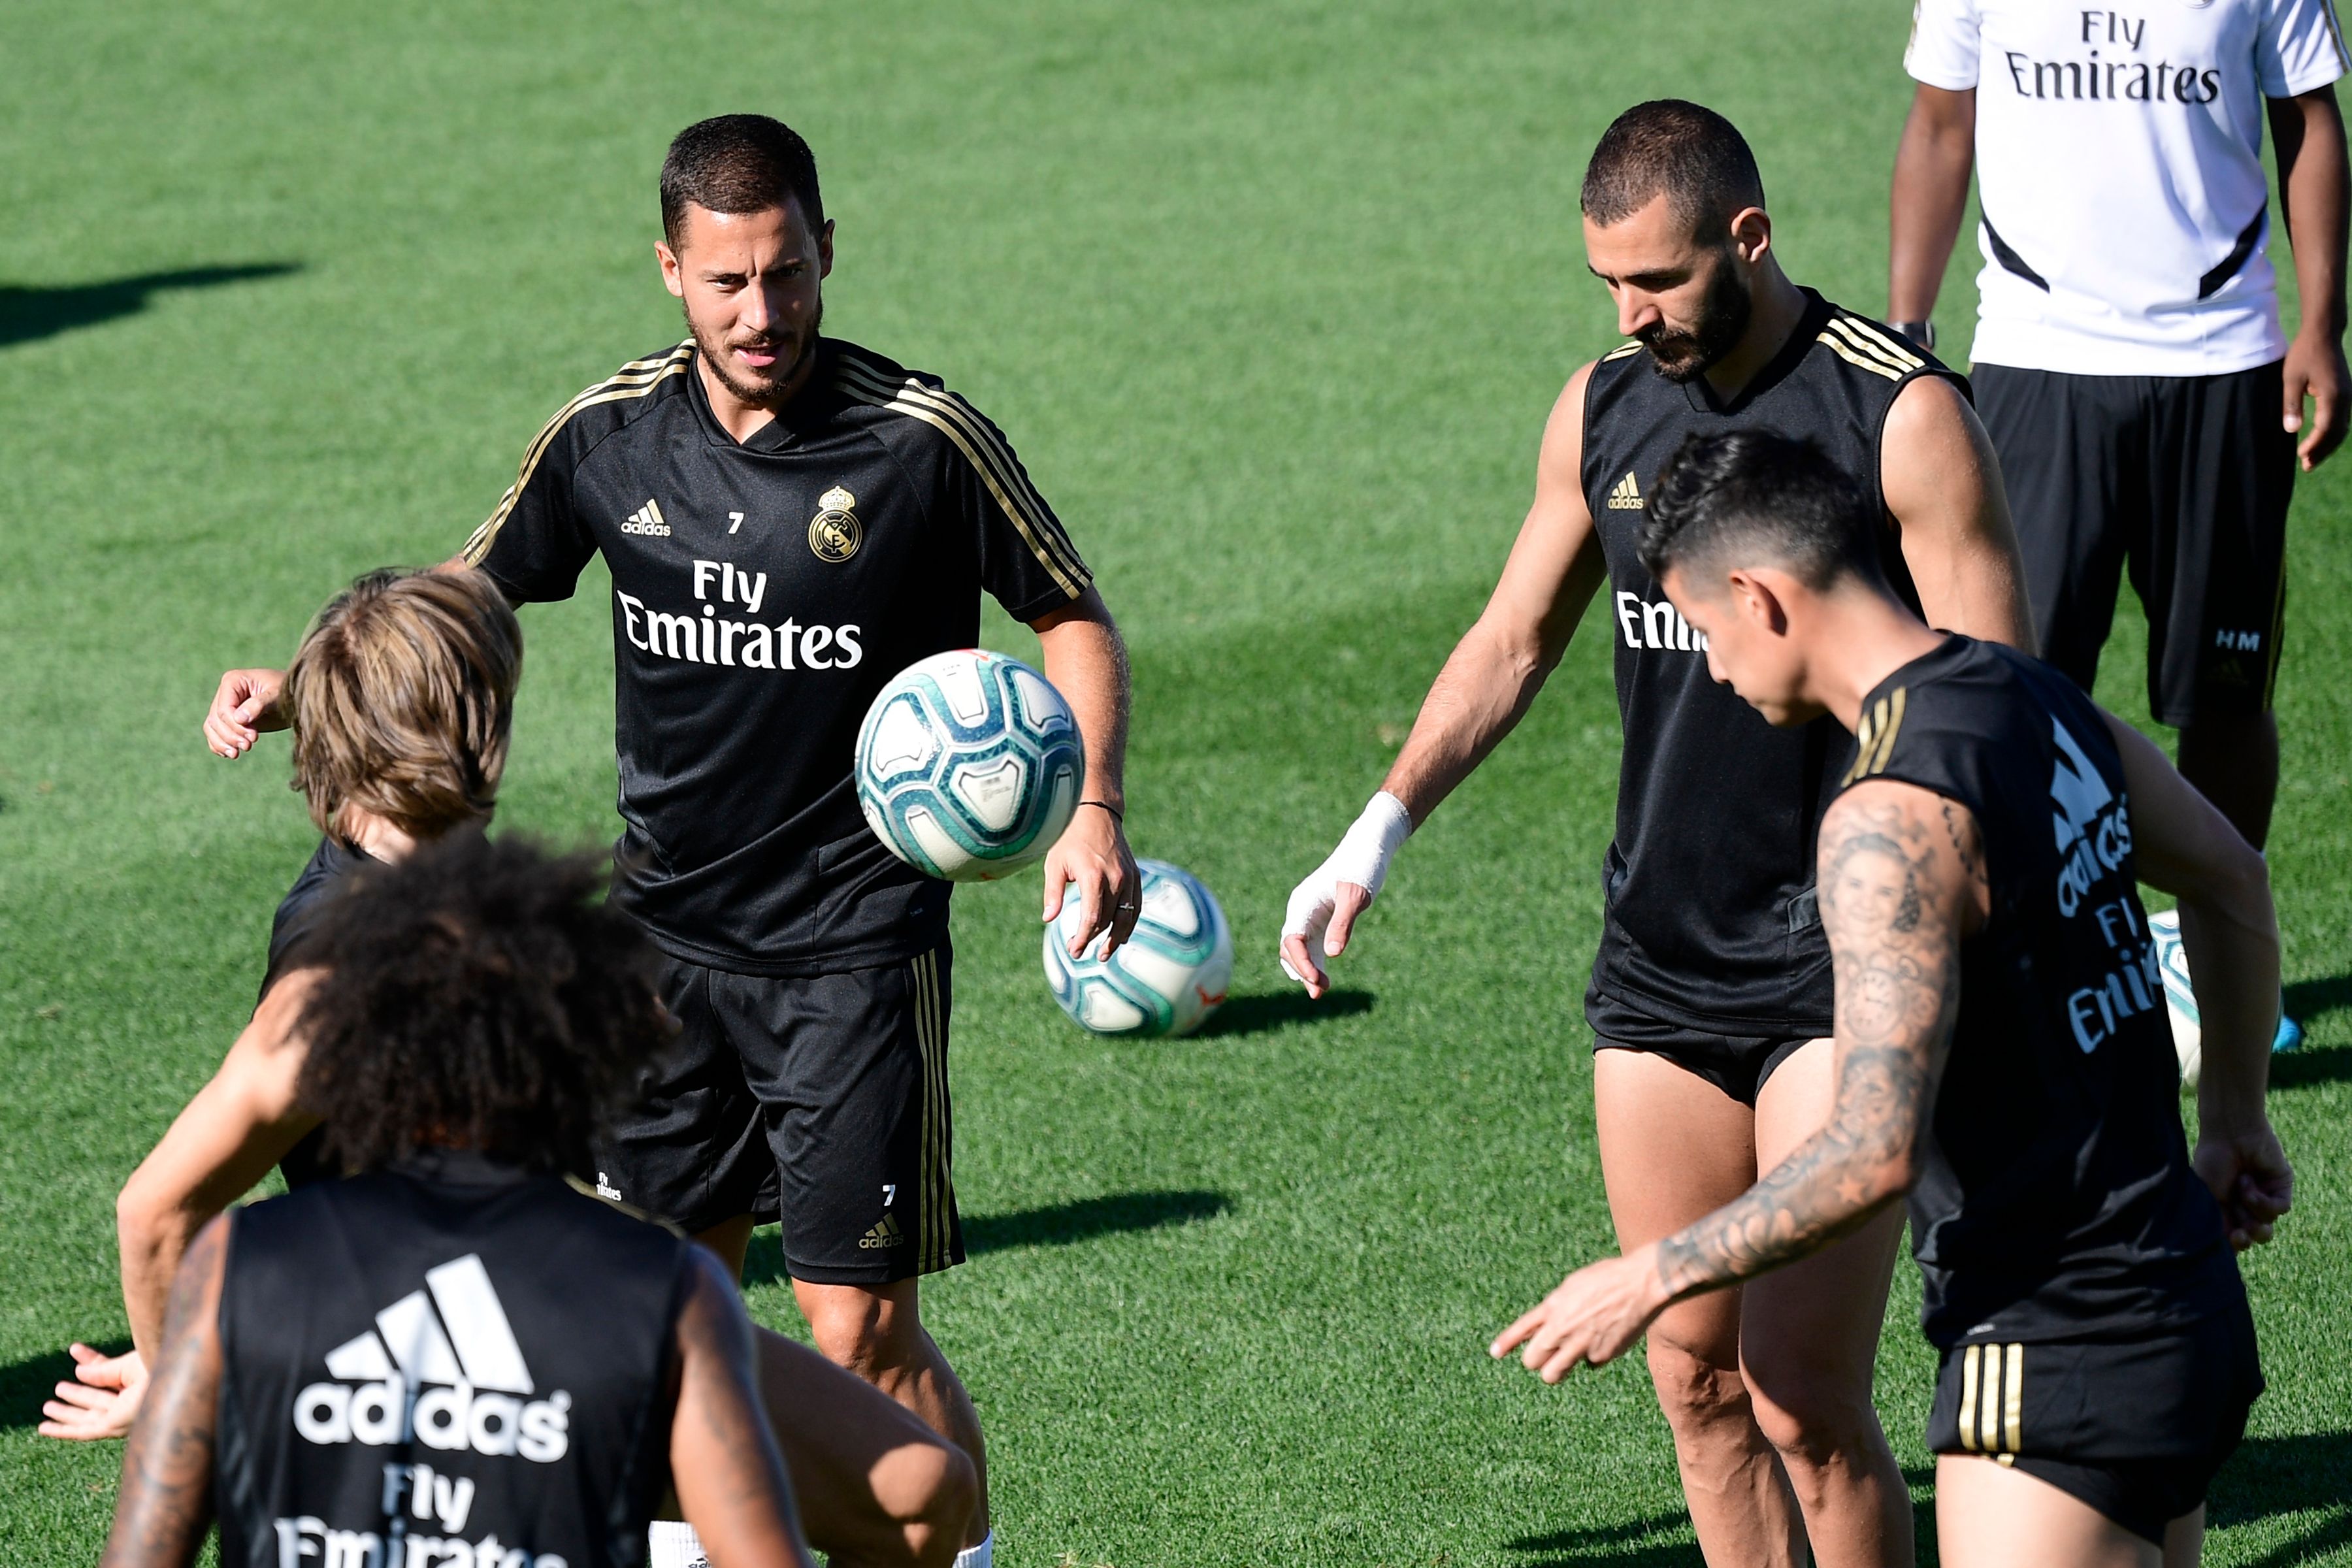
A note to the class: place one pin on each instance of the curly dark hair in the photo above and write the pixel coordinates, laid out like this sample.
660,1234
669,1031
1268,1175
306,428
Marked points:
477,994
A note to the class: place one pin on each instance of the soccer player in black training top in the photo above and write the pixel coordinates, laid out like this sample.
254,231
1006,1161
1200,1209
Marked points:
2003,1053
789,520
1710,994
453,1354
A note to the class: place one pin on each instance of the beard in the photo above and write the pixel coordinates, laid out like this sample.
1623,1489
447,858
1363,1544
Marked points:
1722,316
761,389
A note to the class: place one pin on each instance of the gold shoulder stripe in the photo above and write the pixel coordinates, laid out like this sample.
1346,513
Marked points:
1852,356
955,419
1872,347
1633,348
1886,345
1005,468
1874,739
634,378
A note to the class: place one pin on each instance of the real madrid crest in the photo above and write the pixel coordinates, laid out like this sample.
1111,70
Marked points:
834,532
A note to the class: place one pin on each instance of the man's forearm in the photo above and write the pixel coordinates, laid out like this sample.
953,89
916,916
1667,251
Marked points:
1830,1186
1485,688
152,1245
2232,946
2314,190
1086,660
1932,165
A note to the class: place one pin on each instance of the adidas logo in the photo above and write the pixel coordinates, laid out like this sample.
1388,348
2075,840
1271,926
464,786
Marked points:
648,519
1627,497
887,1233
441,1366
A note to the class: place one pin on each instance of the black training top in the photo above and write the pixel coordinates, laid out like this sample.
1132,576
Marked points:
534,1328
762,593
296,918
2057,1200
1709,920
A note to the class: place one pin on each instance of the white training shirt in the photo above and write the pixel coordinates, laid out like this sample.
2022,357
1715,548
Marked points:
2119,168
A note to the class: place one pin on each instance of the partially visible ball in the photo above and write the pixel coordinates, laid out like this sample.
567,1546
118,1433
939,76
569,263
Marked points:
1166,979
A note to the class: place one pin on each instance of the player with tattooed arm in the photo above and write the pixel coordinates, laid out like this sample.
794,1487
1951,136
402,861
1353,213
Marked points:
2003,1053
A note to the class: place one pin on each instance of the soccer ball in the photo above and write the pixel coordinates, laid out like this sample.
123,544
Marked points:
968,765
2179,999
1166,979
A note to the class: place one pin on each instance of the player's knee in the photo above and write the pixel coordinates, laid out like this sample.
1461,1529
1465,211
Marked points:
1695,1391
864,1331
1811,1421
929,1492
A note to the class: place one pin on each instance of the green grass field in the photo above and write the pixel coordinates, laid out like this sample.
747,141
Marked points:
1273,296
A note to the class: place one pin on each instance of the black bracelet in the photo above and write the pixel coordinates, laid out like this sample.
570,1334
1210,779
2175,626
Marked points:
1116,815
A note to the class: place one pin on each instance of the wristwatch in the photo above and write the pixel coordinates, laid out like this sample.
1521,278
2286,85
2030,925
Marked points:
1920,332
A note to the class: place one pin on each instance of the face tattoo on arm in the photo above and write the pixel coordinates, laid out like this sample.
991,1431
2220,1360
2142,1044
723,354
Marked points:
1900,871
1901,880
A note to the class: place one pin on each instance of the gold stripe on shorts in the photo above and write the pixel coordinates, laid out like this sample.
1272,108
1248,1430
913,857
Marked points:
1970,1359
936,1175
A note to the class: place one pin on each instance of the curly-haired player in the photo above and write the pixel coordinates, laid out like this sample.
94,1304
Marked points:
453,1353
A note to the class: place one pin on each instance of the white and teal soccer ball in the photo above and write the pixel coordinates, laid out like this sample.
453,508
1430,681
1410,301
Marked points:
1166,979
2180,997
968,765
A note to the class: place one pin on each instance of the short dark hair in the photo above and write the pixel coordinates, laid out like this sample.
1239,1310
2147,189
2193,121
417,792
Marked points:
480,995
738,163
1687,151
1750,497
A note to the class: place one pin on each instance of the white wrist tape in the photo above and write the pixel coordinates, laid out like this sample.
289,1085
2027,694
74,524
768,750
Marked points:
1363,858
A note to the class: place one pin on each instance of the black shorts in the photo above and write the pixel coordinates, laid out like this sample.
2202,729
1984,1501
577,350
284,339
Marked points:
2181,480
821,1101
2136,1428
1735,1064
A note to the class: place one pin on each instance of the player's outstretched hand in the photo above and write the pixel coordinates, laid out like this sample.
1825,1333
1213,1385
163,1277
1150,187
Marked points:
1324,908
245,706
1593,1318
1092,855
2249,1174
100,1401
2314,368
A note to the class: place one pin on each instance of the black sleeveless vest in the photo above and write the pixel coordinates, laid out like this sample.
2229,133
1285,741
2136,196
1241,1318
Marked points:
1710,919
448,1359
2057,1200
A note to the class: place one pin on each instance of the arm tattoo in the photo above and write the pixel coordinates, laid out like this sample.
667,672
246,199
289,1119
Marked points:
1894,882
165,1504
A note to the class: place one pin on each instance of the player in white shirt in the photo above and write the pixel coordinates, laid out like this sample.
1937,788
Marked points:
2129,364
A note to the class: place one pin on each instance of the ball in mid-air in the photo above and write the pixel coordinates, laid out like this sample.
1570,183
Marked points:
1166,979
968,765
2180,998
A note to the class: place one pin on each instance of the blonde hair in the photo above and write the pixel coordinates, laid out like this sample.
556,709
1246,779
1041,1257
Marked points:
402,693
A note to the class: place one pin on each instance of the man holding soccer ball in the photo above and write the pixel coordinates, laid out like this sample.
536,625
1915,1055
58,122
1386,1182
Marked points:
789,520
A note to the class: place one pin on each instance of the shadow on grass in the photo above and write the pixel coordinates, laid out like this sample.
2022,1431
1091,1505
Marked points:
2307,999
28,314
2271,1476
1055,1225
1275,1010
1664,1539
25,1384
2267,1477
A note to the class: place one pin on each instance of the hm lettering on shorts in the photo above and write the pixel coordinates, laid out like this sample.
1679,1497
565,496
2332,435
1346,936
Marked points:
713,639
